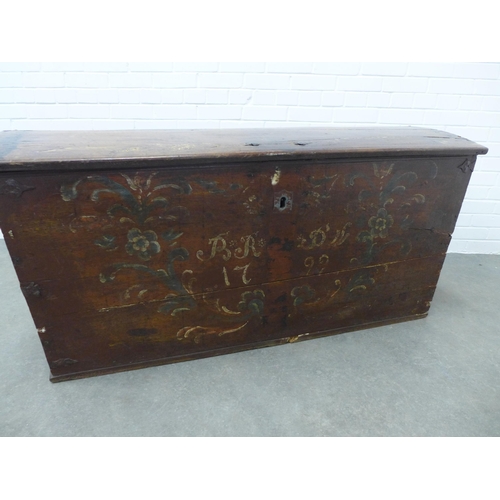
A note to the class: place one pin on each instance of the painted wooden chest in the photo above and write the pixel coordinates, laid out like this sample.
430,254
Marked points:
139,248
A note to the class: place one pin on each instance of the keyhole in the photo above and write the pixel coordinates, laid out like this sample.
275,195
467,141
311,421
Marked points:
283,201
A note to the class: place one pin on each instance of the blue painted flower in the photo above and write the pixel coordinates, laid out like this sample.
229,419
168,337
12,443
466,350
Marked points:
252,302
143,244
381,223
302,294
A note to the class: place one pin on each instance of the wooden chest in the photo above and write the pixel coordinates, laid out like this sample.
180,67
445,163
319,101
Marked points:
139,248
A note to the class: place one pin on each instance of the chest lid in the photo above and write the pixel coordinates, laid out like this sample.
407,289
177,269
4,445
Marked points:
57,150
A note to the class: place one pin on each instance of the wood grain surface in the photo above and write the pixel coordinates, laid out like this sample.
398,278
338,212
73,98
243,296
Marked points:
61,150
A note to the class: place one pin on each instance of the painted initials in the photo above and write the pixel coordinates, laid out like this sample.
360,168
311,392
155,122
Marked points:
219,245
318,238
248,246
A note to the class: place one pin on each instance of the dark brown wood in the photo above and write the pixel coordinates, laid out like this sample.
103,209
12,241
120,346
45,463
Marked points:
141,248
35,150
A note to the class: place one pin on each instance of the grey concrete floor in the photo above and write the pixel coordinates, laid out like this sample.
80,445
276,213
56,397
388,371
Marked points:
439,376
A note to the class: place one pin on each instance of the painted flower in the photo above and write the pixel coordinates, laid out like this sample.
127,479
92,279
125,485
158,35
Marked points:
380,223
302,294
252,302
143,244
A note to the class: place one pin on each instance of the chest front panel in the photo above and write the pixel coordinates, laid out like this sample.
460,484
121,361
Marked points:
132,267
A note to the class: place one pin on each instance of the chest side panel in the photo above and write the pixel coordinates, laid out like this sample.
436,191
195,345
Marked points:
128,267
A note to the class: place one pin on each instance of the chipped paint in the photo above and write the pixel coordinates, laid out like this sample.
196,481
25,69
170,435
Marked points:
291,340
276,177
41,330
11,234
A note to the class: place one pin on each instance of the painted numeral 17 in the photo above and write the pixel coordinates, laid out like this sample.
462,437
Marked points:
243,275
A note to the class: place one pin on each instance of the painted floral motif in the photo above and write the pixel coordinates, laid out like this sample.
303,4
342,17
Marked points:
250,306
387,188
107,242
302,294
384,204
380,223
382,209
252,302
360,281
305,297
138,201
143,244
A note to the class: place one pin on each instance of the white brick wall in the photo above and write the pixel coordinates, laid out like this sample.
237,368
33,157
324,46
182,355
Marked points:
462,98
